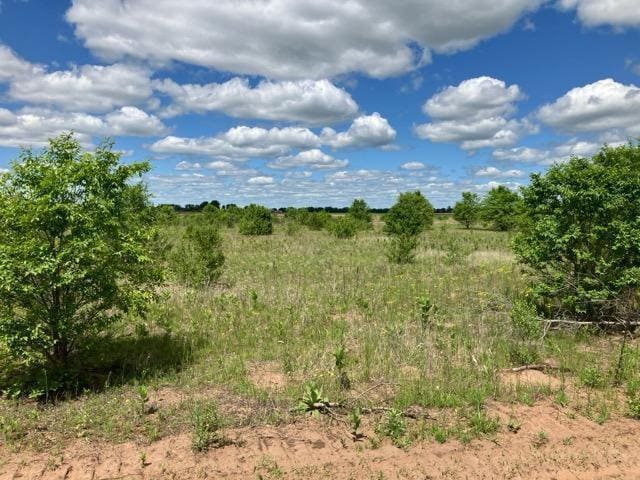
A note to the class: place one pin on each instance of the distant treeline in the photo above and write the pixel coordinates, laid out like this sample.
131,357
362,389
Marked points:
192,207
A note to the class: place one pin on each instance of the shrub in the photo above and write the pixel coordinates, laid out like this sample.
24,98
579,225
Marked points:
581,235
467,210
410,215
75,232
501,208
344,227
359,212
256,220
315,220
407,218
198,258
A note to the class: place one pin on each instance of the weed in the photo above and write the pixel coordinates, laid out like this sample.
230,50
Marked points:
312,400
540,439
206,426
592,377
393,426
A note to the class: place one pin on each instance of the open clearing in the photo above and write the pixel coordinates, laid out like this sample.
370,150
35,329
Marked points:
286,304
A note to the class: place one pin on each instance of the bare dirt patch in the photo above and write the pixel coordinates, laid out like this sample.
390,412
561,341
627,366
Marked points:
529,377
574,447
267,375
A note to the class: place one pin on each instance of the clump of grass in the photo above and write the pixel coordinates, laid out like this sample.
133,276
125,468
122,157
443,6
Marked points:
207,427
393,426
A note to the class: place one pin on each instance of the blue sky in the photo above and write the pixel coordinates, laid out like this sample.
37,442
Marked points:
300,102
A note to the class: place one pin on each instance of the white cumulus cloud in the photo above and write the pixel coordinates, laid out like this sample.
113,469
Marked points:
618,13
291,38
306,101
314,158
475,114
599,106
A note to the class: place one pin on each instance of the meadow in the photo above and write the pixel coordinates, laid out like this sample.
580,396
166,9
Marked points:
414,352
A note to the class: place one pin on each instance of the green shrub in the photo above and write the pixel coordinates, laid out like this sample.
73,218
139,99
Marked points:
581,235
406,220
198,258
359,212
501,208
75,254
524,319
344,227
409,216
256,220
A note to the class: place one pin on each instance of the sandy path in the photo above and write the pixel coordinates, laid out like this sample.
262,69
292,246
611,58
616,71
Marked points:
312,450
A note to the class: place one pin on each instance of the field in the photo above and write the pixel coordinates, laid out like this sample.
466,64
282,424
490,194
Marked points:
207,386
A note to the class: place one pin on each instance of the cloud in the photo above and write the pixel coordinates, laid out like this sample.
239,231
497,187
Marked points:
365,131
184,165
132,121
291,39
255,142
599,106
474,114
557,154
305,101
618,13
261,180
315,159
13,66
412,166
496,172
89,88
34,126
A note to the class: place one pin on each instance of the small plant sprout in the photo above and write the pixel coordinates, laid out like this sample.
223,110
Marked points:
340,357
355,420
514,425
540,439
312,400
427,309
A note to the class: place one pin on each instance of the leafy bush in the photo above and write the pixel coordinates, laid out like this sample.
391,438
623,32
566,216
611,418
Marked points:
315,220
467,210
581,235
501,208
344,227
198,258
256,220
74,248
409,216
359,212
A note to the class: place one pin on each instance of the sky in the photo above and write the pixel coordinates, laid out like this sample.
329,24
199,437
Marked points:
315,103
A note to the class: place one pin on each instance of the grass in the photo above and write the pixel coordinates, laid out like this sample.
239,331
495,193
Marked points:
436,333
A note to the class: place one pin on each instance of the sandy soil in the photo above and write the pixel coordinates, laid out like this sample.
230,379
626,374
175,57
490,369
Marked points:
576,448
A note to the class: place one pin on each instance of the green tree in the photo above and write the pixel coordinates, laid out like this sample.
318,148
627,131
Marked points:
581,235
410,215
501,208
75,233
256,220
359,211
406,220
467,210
